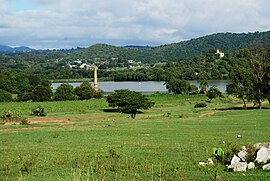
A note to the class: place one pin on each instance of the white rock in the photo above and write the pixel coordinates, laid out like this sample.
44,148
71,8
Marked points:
263,155
202,163
251,165
210,161
240,167
243,153
235,160
266,167
238,136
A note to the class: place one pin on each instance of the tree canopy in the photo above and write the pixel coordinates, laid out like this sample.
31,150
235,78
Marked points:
64,92
213,93
5,96
129,102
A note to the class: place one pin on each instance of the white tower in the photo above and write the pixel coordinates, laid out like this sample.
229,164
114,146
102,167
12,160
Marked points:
95,79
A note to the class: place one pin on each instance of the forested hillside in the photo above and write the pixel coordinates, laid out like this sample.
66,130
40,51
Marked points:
173,52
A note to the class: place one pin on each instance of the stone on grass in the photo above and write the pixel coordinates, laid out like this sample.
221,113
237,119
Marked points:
243,153
263,155
238,136
266,167
235,160
251,165
239,167
202,163
210,161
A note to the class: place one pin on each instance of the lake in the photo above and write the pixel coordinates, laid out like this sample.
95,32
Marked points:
148,87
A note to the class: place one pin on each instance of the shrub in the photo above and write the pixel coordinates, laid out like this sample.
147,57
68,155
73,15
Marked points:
7,115
38,111
200,105
5,96
99,94
23,121
218,153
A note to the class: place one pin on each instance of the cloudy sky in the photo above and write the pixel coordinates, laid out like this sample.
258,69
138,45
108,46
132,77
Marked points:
72,23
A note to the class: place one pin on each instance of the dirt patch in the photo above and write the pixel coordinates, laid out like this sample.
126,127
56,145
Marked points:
209,113
50,120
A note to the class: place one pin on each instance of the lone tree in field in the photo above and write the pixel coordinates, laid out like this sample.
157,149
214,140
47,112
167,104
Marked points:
129,102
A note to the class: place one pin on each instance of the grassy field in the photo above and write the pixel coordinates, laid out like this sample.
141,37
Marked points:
78,141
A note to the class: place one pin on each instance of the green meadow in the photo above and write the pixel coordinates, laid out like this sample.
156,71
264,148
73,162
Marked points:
77,140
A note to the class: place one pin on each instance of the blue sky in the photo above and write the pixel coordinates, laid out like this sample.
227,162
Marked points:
21,5
72,23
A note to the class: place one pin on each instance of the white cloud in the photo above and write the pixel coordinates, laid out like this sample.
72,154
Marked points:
69,23
2,5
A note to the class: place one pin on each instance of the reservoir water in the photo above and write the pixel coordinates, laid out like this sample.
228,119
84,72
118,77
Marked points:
148,87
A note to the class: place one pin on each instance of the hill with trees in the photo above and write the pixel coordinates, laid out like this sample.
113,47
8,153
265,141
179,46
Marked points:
172,52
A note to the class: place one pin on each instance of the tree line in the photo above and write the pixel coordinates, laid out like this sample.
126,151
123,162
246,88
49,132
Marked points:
29,87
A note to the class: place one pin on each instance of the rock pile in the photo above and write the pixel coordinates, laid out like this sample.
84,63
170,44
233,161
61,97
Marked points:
239,162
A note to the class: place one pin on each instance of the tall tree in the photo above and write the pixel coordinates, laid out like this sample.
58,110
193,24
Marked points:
260,66
241,83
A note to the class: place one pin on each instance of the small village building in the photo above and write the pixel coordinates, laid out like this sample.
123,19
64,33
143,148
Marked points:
221,54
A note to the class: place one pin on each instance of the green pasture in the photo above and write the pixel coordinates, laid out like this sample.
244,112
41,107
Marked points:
77,140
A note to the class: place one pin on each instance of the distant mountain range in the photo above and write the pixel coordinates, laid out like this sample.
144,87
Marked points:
5,48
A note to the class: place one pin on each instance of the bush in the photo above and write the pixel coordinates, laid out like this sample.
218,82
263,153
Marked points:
38,111
7,115
5,96
99,94
23,121
200,105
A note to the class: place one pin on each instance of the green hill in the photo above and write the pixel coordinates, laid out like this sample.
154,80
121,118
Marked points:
173,52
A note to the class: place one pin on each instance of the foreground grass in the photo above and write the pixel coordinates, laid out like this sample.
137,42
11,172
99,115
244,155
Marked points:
164,143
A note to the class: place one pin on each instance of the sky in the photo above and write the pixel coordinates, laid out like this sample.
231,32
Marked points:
48,24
